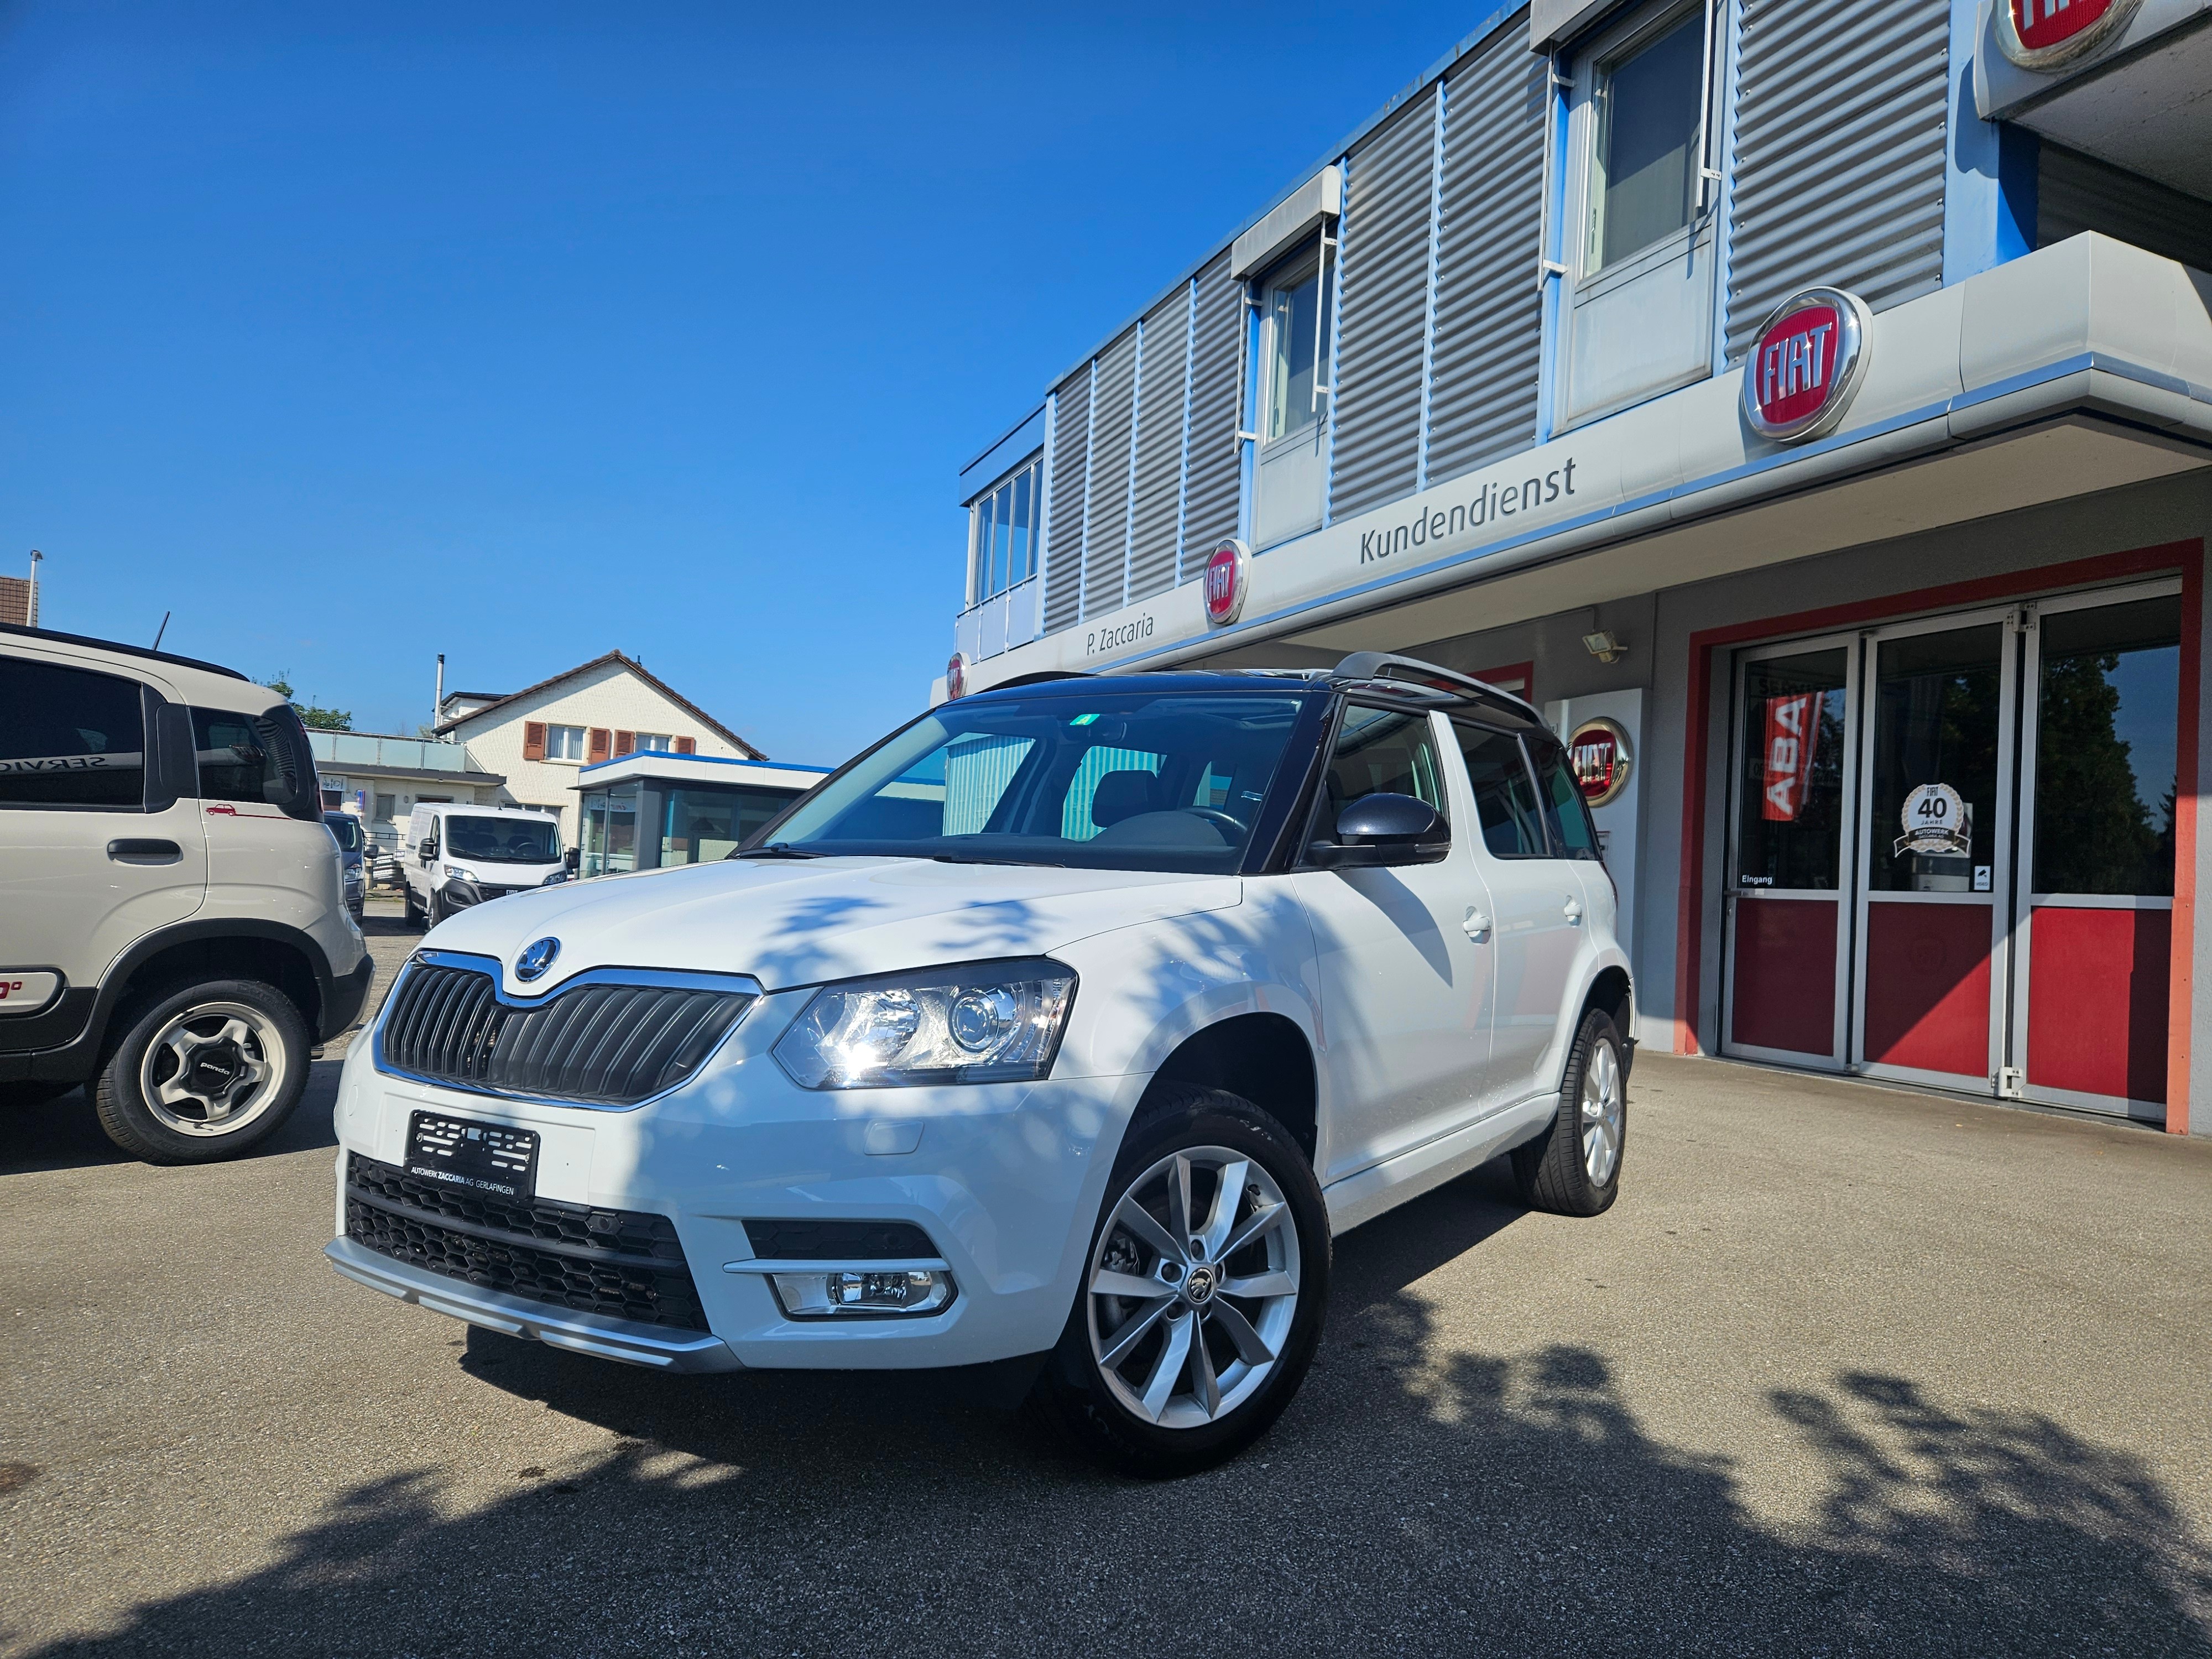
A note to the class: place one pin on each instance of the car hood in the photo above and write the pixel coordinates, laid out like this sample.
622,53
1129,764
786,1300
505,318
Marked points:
800,922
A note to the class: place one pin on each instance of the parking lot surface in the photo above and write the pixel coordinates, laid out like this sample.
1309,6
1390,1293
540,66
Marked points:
1847,1370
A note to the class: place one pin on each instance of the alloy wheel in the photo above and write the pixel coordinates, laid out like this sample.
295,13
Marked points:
214,1069
1192,1287
1602,1105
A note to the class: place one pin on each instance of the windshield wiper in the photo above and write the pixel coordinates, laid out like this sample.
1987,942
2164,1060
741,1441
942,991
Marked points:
775,850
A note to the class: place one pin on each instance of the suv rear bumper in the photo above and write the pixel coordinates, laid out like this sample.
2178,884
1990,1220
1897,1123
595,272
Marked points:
653,1346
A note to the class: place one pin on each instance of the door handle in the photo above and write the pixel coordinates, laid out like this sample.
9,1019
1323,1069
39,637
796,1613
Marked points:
133,849
1477,925
1573,911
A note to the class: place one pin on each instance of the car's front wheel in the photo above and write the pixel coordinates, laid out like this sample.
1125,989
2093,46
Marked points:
1203,1294
204,1073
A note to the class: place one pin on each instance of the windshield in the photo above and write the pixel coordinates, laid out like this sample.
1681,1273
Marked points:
503,841
1112,780
346,828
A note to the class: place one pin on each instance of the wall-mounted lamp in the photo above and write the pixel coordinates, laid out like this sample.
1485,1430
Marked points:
1605,646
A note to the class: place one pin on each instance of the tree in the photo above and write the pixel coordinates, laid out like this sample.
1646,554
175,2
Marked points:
311,714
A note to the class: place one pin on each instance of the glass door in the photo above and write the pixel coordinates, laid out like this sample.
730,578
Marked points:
1934,851
1793,789
2093,923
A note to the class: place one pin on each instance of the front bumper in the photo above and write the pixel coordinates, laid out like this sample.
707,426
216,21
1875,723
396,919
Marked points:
1005,1180
582,1333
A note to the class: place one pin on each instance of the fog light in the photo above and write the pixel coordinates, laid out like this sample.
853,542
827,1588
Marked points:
865,1292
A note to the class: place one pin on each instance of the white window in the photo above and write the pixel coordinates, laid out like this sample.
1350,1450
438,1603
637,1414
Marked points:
564,743
1643,166
1002,534
655,743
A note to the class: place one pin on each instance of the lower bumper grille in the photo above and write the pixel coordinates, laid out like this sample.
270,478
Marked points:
625,1264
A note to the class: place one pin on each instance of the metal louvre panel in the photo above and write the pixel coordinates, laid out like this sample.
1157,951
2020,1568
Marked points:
1490,313
1159,446
1839,152
1384,288
599,1044
1106,539
1063,570
1212,487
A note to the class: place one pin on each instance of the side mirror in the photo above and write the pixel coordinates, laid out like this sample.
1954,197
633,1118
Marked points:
569,859
1382,829
428,849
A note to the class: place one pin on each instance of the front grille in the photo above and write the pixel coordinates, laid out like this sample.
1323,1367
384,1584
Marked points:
601,1045
627,1264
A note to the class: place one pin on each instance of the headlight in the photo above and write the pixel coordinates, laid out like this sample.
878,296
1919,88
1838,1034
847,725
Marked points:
554,880
984,1022
455,873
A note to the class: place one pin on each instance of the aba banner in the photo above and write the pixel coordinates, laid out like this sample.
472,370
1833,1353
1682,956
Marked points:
1792,729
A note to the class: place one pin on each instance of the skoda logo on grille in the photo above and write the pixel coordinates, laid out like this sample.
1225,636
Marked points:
536,956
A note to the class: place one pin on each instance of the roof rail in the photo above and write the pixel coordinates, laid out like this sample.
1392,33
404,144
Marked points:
1041,677
146,651
1387,668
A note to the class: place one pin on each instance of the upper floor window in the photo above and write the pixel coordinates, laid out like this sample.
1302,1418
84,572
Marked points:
1296,349
1643,159
564,743
1003,534
655,743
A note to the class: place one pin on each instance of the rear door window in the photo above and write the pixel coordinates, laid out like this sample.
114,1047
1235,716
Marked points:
1506,799
1567,815
70,738
262,758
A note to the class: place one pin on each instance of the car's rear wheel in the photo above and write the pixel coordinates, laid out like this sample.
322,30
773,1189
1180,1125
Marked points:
1574,1169
205,1072
1203,1294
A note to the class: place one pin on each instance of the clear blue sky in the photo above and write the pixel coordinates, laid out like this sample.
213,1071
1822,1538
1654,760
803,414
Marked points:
352,334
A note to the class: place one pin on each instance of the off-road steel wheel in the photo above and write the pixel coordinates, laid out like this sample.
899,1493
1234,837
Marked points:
204,1072
1202,1294
1574,1167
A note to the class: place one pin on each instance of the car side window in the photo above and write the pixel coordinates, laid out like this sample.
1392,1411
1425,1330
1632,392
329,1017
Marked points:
1566,814
254,757
1505,801
1382,750
70,738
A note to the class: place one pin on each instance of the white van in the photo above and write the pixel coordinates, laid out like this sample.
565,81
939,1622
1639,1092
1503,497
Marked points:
459,856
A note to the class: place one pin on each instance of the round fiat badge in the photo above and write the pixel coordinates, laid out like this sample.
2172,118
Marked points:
2049,35
956,678
1598,754
1806,365
1228,574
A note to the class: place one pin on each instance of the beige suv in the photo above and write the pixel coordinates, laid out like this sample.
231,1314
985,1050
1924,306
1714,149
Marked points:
175,935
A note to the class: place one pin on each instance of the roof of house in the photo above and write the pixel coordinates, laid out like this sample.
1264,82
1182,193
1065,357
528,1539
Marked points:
617,660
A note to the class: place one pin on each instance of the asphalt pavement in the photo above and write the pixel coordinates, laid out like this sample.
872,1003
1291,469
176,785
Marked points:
1847,1370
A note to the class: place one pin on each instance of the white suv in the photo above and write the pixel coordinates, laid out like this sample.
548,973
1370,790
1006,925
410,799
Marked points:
173,932
1061,1031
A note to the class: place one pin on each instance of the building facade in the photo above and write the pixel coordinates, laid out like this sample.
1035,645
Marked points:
541,738
1810,409
653,810
381,778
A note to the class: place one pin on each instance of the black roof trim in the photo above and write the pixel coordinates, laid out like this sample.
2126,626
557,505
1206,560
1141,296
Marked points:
146,651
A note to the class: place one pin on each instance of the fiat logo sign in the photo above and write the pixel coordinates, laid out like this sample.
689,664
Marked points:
1598,753
1807,364
2046,34
956,678
1228,574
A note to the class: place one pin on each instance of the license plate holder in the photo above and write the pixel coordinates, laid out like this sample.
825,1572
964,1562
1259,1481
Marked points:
472,1156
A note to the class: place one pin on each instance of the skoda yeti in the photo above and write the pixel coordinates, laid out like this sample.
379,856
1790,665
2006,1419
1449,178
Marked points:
1062,1030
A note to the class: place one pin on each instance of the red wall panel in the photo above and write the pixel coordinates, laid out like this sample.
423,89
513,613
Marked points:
1928,987
2097,991
1785,974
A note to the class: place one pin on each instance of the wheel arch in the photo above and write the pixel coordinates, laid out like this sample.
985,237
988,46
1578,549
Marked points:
227,948
1262,1055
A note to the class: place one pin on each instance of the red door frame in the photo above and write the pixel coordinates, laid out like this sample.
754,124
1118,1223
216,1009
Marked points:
2186,557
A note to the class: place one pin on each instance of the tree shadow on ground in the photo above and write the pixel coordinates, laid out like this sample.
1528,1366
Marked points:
1415,1499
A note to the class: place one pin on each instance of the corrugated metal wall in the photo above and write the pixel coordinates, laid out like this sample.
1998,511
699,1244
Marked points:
1383,293
1161,398
1211,484
1490,313
1071,460
1106,537
1839,153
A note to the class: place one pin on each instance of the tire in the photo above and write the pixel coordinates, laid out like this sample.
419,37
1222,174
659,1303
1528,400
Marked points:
1574,1167
434,910
204,1073
31,1092
1144,1409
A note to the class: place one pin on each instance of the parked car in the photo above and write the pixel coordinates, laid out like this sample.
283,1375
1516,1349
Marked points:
174,927
353,869
1059,1032
456,857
